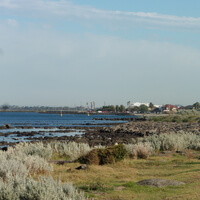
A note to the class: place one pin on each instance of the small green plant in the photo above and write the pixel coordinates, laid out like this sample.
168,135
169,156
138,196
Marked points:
119,152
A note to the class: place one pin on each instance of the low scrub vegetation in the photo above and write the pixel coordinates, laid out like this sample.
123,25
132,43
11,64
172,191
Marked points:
26,159
20,163
17,163
139,150
71,150
104,156
35,149
184,116
45,188
173,141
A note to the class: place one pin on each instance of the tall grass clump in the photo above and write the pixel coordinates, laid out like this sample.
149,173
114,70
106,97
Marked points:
45,188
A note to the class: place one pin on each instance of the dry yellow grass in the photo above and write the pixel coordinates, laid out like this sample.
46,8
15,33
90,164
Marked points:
105,172
118,181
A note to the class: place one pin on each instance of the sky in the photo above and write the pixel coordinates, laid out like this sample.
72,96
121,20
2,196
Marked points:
67,53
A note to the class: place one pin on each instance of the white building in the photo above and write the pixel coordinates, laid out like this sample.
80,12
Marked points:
146,104
139,104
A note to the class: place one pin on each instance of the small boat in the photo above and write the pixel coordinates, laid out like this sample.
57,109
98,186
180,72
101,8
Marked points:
88,114
61,113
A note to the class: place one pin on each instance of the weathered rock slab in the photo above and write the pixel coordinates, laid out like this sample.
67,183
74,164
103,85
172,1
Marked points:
160,183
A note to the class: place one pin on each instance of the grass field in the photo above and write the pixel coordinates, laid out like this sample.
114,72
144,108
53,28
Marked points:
118,181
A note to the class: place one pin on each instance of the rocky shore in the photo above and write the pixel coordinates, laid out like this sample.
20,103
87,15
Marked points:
120,133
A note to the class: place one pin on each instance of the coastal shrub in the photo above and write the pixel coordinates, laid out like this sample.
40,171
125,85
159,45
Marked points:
106,156
177,119
71,150
15,163
112,154
37,165
119,152
91,158
103,156
185,120
139,150
191,116
12,168
173,141
45,188
188,112
40,149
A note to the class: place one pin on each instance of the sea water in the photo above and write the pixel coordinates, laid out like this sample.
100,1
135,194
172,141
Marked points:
39,122
54,120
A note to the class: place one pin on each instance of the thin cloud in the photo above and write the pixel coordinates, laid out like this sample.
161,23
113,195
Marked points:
66,10
12,22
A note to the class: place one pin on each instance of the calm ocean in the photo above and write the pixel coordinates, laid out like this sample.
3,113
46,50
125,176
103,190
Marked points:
54,120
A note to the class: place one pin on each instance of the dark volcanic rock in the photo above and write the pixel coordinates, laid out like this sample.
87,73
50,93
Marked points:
150,128
5,126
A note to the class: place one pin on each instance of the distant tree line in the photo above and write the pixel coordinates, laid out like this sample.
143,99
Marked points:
139,109
112,108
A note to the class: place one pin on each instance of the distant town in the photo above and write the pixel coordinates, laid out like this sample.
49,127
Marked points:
130,108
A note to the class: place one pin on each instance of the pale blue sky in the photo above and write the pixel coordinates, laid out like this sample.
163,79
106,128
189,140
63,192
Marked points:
66,53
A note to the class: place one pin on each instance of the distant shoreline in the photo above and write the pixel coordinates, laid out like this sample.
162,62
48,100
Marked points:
71,112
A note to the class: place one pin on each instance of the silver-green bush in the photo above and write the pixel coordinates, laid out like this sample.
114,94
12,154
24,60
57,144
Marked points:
45,188
12,168
139,150
173,141
16,163
72,150
39,148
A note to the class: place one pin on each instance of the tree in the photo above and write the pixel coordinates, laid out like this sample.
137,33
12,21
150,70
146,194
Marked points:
108,108
151,105
135,109
143,108
196,105
5,107
117,108
122,108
